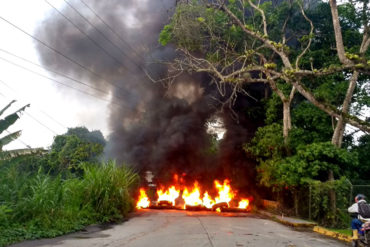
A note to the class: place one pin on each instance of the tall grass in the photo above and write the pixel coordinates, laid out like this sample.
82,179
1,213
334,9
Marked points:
107,190
39,205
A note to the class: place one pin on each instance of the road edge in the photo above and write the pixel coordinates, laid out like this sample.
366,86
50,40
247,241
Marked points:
307,225
329,233
282,220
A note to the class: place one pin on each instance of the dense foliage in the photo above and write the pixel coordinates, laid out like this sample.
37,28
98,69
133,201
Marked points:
302,144
49,194
71,149
35,204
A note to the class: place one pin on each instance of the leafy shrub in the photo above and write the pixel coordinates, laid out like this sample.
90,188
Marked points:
320,202
106,189
40,205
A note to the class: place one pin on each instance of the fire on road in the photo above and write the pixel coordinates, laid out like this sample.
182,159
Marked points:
164,228
192,197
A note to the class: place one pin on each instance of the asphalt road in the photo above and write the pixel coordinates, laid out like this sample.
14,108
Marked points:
164,228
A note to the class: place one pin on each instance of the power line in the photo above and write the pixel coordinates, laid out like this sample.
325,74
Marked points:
35,119
54,132
58,73
87,35
46,114
102,34
127,44
64,56
20,140
58,52
66,85
110,28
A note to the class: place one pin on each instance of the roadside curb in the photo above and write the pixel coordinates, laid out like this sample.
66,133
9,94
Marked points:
308,225
332,234
286,221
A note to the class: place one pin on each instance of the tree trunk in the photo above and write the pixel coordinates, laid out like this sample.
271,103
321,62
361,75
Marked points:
266,92
353,120
341,124
338,133
338,32
337,138
295,198
287,123
332,197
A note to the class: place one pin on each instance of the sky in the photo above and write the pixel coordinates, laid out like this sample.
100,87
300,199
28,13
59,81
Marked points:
54,108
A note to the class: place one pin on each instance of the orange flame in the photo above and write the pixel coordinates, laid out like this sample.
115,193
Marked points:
225,194
192,198
143,201
243,203
170,195
207,200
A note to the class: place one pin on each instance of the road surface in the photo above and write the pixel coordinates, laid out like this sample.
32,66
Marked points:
164,228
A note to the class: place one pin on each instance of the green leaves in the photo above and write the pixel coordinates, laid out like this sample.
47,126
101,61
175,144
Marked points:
267,143
165,35
201,19
186,27
78,145
107,189
38,205
10,119
270,65
5,123
6,107
8,138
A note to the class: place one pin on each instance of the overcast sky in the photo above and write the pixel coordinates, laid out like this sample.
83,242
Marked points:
53,106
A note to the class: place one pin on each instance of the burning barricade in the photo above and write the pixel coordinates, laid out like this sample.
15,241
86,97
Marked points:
192,198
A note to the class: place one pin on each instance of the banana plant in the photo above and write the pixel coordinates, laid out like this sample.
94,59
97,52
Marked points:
5,123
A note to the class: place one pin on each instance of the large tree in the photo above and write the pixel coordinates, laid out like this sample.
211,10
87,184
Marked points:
240,42
76,146
281,44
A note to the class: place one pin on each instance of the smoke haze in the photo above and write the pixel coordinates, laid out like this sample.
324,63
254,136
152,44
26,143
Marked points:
152,126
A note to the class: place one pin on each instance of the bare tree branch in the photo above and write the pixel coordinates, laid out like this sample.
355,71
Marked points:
264,39
330,110
338,33
309,37
263,17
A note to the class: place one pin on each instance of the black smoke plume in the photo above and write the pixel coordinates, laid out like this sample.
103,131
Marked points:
152,126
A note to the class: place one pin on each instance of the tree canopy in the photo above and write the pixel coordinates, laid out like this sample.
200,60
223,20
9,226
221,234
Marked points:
76,146
283,44
315,58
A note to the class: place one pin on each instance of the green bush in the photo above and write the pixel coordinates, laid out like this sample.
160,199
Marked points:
314,196
40,205
106,189
320,202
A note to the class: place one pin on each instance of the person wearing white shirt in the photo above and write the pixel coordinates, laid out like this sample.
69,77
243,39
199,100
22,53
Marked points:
356,221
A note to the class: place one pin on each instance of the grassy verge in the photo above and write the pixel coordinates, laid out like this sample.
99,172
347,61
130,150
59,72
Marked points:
39,205
347,232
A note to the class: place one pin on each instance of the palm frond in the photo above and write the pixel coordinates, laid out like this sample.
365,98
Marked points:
8,138
6,155
10,119
6,107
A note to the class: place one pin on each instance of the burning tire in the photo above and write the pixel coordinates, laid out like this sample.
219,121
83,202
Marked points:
195,208
220,205
235,210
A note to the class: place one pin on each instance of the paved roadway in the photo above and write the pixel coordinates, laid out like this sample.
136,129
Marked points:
164,228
